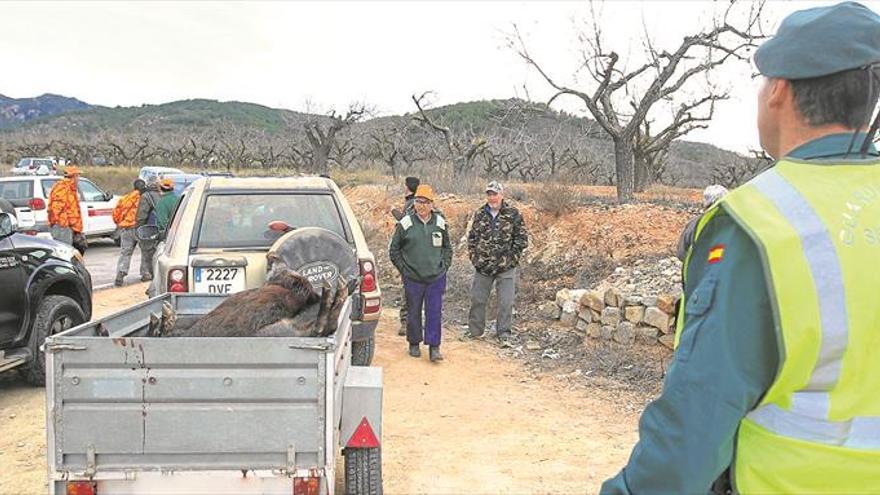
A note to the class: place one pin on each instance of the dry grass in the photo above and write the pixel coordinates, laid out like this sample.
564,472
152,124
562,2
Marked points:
556,199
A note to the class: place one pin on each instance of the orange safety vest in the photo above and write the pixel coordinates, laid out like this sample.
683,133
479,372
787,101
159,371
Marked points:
64,206
126,210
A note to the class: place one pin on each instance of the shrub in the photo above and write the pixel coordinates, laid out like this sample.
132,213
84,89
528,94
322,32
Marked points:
555,199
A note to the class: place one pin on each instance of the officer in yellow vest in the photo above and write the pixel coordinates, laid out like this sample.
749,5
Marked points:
775,382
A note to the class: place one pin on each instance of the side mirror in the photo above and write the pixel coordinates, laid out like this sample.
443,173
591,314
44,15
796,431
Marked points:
8,224
147,233
108,196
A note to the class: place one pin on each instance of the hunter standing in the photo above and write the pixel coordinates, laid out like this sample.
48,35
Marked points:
65,217
124,215
421,251
496,241
409,201
147,215
165,206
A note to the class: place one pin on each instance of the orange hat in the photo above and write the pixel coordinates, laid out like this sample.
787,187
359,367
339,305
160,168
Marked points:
425,191
71,171
166,184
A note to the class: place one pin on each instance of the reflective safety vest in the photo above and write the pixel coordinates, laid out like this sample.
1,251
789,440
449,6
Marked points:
817,228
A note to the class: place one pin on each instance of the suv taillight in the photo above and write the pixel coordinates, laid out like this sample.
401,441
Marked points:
307,486
177,280
37,204
368,276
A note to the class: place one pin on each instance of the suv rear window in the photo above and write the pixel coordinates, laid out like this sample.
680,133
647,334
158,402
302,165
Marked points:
47,186
240,220
17,189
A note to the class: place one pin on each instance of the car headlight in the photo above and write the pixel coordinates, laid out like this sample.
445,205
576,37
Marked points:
66,253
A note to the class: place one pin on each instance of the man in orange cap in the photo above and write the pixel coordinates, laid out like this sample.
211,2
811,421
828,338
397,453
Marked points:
422,253
165,206
65,217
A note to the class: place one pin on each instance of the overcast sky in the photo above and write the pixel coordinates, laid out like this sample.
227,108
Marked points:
314,56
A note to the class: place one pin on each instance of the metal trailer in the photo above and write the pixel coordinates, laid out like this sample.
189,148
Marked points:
128,413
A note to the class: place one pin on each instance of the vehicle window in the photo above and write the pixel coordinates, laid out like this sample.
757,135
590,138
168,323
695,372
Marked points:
240,220
18,189
40,163
47,186
171,234
89,191
24,162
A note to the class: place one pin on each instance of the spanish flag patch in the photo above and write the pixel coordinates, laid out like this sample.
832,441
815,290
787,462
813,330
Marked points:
716,253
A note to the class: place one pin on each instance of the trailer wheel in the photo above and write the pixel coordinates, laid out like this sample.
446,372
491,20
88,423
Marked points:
56,314
362,351
363,471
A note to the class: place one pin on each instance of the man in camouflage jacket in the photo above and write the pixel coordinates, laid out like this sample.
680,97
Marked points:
496,241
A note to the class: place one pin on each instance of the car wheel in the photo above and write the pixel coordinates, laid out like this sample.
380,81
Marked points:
362,351
56,314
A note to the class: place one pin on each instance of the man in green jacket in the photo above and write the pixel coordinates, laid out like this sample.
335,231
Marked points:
773,386
165,205
422,253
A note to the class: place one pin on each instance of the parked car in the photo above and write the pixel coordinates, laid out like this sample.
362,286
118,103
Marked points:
35,166
224,223
182,181
146,173
46,289
30,196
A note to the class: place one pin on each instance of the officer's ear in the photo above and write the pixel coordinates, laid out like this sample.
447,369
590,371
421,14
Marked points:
780,94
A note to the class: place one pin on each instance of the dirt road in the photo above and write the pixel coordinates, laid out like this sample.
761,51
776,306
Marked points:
473,424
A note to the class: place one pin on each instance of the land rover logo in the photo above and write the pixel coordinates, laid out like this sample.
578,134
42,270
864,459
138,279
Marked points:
319,271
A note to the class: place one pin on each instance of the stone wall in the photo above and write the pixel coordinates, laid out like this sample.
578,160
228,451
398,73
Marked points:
609,315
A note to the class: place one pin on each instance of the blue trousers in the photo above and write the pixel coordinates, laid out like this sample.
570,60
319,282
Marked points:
430,297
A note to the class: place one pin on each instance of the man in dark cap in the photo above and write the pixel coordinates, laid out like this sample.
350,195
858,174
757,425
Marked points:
773,386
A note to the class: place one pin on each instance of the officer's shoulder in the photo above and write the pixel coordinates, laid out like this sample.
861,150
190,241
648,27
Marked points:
406,222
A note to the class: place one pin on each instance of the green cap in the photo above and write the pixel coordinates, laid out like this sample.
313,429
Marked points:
821,41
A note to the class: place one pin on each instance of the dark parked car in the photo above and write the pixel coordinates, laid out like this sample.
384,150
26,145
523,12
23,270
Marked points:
44,289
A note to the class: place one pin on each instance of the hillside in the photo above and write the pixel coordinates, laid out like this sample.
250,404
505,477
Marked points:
526,140
15,112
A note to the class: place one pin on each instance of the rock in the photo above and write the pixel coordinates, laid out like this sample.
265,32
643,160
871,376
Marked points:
657,319
648,335
569,316
634,313
666,303
585,314
561,297
611,316
612,297
12,416
581,325
576,295
649,301
533,346
597,316
632,300
20,444
594,330
667,340
550,310
625,333
606,332
593,300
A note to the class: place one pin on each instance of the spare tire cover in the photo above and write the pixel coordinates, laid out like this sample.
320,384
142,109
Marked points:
317,254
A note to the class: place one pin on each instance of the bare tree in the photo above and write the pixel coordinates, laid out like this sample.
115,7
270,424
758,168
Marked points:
461,150
662,78
322,136
734,173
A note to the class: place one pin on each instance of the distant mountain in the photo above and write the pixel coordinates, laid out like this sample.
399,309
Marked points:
244,134
18,111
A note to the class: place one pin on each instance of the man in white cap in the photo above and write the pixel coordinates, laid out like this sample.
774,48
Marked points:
496,241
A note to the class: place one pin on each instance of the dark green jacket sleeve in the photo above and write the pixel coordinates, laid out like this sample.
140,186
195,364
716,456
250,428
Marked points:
726,360
394,248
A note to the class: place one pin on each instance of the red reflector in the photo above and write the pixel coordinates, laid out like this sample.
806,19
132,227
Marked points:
177,287
37,204
177,280
100,213
306,486
363,436
82,488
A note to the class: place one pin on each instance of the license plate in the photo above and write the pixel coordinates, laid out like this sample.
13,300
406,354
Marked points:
219,280
25,218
